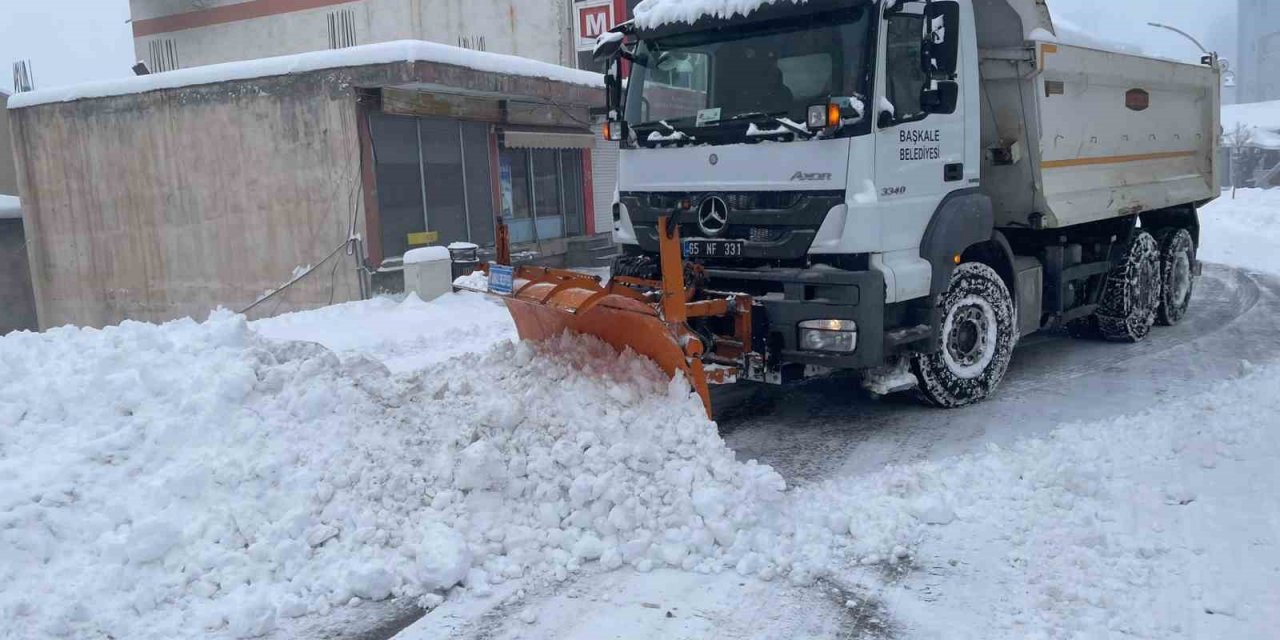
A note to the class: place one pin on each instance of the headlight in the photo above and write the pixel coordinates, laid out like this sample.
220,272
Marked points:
817,117
836,336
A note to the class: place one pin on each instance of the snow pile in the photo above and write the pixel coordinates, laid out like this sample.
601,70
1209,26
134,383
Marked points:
426,254
1254,125
185,479
10,207
405,335
1242,229
476,281
382,53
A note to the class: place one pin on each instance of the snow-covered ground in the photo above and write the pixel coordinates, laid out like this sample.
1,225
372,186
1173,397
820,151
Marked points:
1243,230
230,479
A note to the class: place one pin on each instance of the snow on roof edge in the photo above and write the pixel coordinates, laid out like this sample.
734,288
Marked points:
651,14
10,207
382,53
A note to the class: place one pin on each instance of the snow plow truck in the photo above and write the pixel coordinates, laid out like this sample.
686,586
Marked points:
902,188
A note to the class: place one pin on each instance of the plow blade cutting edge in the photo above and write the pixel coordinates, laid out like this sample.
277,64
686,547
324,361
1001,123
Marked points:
648,317
545,308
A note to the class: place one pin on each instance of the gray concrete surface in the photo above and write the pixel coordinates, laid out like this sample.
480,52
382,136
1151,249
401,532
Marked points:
17,304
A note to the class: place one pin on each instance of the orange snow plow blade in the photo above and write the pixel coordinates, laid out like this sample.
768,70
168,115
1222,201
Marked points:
558,301
649,317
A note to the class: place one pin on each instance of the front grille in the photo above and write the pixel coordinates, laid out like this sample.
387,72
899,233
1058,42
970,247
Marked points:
773,200
778,227
749,201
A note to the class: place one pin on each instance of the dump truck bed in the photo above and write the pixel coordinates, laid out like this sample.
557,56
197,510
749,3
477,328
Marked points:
1099,134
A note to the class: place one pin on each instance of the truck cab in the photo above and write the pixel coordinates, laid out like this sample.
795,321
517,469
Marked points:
838,161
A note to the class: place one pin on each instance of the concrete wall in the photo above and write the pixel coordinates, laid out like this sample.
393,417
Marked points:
8,173
537,29
17,304
167,204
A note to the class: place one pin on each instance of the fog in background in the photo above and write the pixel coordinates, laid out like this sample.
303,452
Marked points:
71,41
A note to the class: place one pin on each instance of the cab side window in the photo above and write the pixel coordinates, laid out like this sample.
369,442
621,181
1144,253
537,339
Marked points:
905,78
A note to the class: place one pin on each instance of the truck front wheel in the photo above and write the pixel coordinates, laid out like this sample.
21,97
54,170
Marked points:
1132,294
977,335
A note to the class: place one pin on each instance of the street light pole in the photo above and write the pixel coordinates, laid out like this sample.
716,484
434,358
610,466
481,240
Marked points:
1183,34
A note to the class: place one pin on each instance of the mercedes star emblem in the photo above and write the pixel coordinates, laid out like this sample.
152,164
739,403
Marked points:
714,159
713,216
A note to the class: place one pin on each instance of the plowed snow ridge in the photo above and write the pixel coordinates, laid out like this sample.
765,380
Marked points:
170,481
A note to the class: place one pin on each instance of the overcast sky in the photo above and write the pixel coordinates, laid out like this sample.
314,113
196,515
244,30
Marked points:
70,41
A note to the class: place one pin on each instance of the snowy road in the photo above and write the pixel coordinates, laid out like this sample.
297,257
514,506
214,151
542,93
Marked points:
820,429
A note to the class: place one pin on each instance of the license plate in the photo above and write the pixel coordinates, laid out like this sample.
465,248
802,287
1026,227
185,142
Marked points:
713,248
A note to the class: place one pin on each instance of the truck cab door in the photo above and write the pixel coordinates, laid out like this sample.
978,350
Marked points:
920,138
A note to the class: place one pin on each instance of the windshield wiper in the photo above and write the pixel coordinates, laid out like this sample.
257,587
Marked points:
777,117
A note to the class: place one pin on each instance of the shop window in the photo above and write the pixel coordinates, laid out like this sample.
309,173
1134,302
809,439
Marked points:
516,202
479,178
574,196
399,177
433,176
546,194
445,183
542,193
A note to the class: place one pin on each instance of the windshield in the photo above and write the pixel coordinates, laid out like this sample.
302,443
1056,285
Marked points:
687,85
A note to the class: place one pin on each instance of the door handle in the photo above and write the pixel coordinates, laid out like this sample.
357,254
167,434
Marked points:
953,172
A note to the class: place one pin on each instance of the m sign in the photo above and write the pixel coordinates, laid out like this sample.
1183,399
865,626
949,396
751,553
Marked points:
594,18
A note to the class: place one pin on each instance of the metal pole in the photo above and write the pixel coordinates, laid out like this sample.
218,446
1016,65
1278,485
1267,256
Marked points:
1183,34
422,175
466,199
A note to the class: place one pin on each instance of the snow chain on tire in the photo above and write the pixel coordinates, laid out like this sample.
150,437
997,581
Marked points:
1177,271
1132,295
643,267
977,335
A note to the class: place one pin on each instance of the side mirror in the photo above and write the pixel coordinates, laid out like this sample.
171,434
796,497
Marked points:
608,45
943,98
941,39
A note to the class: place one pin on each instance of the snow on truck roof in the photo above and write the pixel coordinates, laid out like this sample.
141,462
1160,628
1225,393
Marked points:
650,14
383,53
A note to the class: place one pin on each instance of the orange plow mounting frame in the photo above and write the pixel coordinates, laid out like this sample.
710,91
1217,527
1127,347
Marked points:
648,317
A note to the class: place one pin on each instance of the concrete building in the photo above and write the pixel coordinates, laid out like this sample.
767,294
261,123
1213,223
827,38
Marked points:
166,195
176,34
8,175
17,305
1259,58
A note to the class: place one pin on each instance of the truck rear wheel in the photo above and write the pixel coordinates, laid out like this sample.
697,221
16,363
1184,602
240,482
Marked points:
977,336
1132,294
1177,268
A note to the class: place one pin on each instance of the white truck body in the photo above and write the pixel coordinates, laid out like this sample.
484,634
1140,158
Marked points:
1085,152
1019,151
